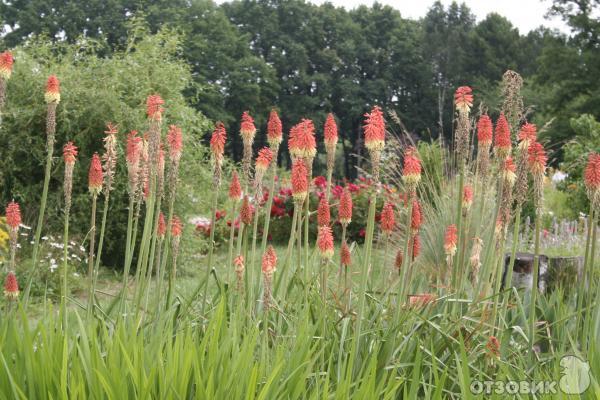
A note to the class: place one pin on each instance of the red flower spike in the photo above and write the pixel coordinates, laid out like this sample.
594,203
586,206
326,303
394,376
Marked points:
52,90
217,141
345,256
509,171
388,220
162,226
269,261
175,141
264,158
527,135
11,286
502,143
69,153
95,175
274,130
13,215
591,174
463,99
484,131
299,181
235,189
246,212
247,128
302,142
416,246
416,217
323,213
411,171
134,148
467,199
176,226
154,108
345,210
6,65
374,130
325,242
330,133
450,240
536,158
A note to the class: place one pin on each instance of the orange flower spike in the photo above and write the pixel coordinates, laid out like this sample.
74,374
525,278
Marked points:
247,128
52,94
346,257
330,133
388,219
70,153
269,261
154,107
484,131
527,135
537,158
463,99
325,242
299,181
509,171
467,199
591,177
246,212
374,130
95,175
235,188
323,213
176,226
264,158
302,142
6,65
411,171
11,286
175,141
345,209
502,144
274,130
162,226
217,141
450,240
416,246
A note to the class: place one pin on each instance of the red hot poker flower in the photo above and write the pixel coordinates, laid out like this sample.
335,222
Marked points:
274,130
463,99
235,189
264,158
134,148
537,158
176,226
11,286
269,261
302,142
374,130
467,199
509,171
69,153
217,141
484,131
591,174
247,128
13,215
450,240
388,220
416,217
345,209
330,133
502,144
325,242
175,141
52,90
6,65
527,135
95,175
416,248
162,226
411,171
246,212
154,108
346,257
323,213
299,181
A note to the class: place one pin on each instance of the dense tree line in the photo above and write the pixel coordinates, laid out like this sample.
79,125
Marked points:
308,60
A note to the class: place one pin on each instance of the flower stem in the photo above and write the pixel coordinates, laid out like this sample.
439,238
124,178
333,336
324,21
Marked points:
91,258
209,266
536,270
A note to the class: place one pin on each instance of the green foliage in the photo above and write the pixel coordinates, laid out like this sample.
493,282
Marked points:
95,90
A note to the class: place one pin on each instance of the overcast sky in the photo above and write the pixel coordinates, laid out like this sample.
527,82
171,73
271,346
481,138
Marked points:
524,14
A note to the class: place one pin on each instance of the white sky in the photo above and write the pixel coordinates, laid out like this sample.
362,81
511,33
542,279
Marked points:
524,14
